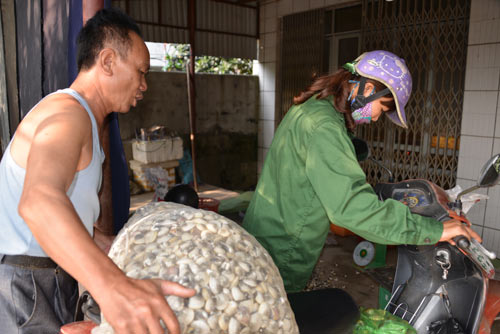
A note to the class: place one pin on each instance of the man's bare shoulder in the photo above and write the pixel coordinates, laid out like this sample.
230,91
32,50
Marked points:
61,104
57,116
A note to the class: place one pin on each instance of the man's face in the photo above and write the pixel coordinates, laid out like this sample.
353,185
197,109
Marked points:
131,75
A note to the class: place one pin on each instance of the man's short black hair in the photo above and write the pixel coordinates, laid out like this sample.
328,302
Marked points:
107,26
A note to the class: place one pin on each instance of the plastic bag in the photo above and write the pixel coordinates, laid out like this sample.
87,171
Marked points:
159,178
377,321
239,288
468,200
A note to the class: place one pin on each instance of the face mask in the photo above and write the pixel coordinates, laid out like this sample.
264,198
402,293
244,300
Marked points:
363,115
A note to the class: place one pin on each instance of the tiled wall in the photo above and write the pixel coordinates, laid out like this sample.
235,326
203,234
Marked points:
480,138
266,66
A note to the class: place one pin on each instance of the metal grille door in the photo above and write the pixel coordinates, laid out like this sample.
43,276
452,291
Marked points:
431,35
301,49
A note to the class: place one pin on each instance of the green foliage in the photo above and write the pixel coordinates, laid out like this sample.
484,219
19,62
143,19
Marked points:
178,56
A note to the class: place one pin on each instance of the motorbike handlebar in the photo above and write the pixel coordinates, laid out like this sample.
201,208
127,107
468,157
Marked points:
464,244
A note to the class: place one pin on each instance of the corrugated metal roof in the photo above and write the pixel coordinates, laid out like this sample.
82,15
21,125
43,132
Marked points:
223,29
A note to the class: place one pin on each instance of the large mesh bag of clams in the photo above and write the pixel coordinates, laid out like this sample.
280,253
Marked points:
239,289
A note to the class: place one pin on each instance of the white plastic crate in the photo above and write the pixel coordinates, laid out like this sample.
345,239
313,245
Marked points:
157,150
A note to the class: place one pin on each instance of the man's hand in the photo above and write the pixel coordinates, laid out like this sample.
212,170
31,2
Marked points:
454,228
136,306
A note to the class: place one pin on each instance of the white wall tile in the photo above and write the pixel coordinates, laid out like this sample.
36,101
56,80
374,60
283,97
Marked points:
267,133
482,10
300,5
334,2
475,11
317,4
260,159
477,212
478,229
266,112
482,79
492,33
472,150
262,23
487,31
270,40
479,113
496,57
270,55
269,77
496,147
261,50
474,33
494,9
260,135
285,7
268,10
491,239
483,56
267,98
270,25
492,215
497,125
257,68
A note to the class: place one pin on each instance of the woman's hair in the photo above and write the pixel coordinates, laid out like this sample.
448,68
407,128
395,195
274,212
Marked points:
338,86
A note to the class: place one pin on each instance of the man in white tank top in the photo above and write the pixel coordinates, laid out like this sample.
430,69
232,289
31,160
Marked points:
50,177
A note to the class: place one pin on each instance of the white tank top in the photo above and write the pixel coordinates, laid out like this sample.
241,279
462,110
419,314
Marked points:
15,237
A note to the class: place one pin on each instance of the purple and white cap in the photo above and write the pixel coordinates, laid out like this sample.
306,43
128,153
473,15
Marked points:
391,70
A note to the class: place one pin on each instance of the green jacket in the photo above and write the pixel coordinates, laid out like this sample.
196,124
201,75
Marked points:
311,177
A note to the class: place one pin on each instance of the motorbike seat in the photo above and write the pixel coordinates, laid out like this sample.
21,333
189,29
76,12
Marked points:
324,311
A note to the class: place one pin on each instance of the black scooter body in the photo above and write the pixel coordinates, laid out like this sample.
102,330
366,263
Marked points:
420,292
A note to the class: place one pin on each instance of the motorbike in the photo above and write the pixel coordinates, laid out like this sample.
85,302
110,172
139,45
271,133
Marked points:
438,289
443,286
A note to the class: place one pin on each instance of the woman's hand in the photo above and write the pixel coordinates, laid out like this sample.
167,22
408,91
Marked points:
454,228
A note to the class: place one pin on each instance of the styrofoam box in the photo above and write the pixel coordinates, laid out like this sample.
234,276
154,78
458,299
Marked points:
157,150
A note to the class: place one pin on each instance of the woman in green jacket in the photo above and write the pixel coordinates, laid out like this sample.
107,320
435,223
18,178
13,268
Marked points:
311,176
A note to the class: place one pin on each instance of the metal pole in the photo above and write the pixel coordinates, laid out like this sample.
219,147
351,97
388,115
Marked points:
191,86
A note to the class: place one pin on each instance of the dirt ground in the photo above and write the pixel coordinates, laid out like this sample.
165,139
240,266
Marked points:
336,269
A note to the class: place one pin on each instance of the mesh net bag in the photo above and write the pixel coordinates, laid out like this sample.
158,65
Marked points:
238,287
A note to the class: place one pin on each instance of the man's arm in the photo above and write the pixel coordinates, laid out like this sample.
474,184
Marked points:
55,155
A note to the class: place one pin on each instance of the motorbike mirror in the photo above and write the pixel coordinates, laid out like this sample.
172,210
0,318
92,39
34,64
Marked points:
488,176
361,148
490,172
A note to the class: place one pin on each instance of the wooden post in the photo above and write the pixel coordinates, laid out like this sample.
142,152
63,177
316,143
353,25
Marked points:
191,86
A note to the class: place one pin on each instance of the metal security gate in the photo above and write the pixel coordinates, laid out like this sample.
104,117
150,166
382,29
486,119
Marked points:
300,55
431,35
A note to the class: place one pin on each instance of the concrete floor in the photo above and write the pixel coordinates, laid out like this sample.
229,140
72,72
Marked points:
336,269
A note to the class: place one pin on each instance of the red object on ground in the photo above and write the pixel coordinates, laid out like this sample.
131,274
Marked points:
340,231
79,327
207,203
